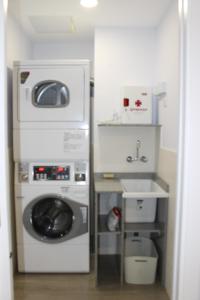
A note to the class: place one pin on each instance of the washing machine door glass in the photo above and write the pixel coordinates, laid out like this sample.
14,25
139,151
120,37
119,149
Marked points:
52,218
47,94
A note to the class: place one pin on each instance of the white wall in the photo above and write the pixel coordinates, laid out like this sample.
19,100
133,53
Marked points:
115,144
168,71
122,57
70,50
167,169
19,46
6,281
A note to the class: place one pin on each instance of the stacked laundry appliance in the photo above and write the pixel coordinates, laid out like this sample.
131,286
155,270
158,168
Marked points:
51,154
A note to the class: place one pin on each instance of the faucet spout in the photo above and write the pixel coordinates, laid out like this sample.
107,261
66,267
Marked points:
138,145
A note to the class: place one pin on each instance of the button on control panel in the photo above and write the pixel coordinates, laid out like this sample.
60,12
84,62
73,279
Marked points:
23,175
51,173
80,172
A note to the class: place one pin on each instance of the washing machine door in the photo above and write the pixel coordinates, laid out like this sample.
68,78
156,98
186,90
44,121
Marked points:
52,217
55,219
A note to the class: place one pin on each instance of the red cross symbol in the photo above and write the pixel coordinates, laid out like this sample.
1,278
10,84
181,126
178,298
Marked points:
138,103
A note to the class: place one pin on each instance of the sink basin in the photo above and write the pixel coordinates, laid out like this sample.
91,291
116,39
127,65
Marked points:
144,188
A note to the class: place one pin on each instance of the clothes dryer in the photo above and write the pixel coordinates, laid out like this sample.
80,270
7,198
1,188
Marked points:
51,94
51,110
52,216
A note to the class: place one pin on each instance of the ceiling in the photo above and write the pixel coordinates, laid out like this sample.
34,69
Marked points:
67,20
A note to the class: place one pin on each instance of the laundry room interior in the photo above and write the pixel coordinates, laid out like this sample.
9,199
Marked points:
93,130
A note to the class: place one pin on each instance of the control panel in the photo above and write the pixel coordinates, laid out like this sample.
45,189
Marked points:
65,172
51,173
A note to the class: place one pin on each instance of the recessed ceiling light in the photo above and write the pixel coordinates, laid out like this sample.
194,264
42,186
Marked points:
89,3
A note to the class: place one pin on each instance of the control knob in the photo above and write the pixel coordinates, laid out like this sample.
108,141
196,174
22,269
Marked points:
24,177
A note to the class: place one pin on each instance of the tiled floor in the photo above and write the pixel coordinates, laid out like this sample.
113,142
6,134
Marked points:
79,287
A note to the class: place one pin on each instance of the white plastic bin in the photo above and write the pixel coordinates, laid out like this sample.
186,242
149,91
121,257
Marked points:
140,261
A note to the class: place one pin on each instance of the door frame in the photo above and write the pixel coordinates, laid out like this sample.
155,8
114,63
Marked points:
186,272
6,272
187,245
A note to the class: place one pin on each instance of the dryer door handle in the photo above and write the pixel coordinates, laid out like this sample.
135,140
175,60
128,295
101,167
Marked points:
27,93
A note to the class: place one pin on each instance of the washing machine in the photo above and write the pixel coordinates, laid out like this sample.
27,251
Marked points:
52,216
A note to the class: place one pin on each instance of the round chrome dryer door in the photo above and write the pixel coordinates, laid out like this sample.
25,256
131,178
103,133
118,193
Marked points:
50,94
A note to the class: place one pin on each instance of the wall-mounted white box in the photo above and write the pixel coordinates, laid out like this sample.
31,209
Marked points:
136,105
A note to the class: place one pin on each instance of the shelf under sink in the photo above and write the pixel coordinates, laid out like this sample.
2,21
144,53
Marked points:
102,226
143,227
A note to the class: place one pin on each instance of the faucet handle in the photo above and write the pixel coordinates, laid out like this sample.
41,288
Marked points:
129,159
144,159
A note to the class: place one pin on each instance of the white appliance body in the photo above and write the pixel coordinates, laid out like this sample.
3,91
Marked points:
52,222
51,145
51,154
51,94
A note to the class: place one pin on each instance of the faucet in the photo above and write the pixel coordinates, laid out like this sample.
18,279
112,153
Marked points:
130,158
137,157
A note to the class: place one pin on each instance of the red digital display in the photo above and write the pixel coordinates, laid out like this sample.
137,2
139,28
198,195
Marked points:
51,173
